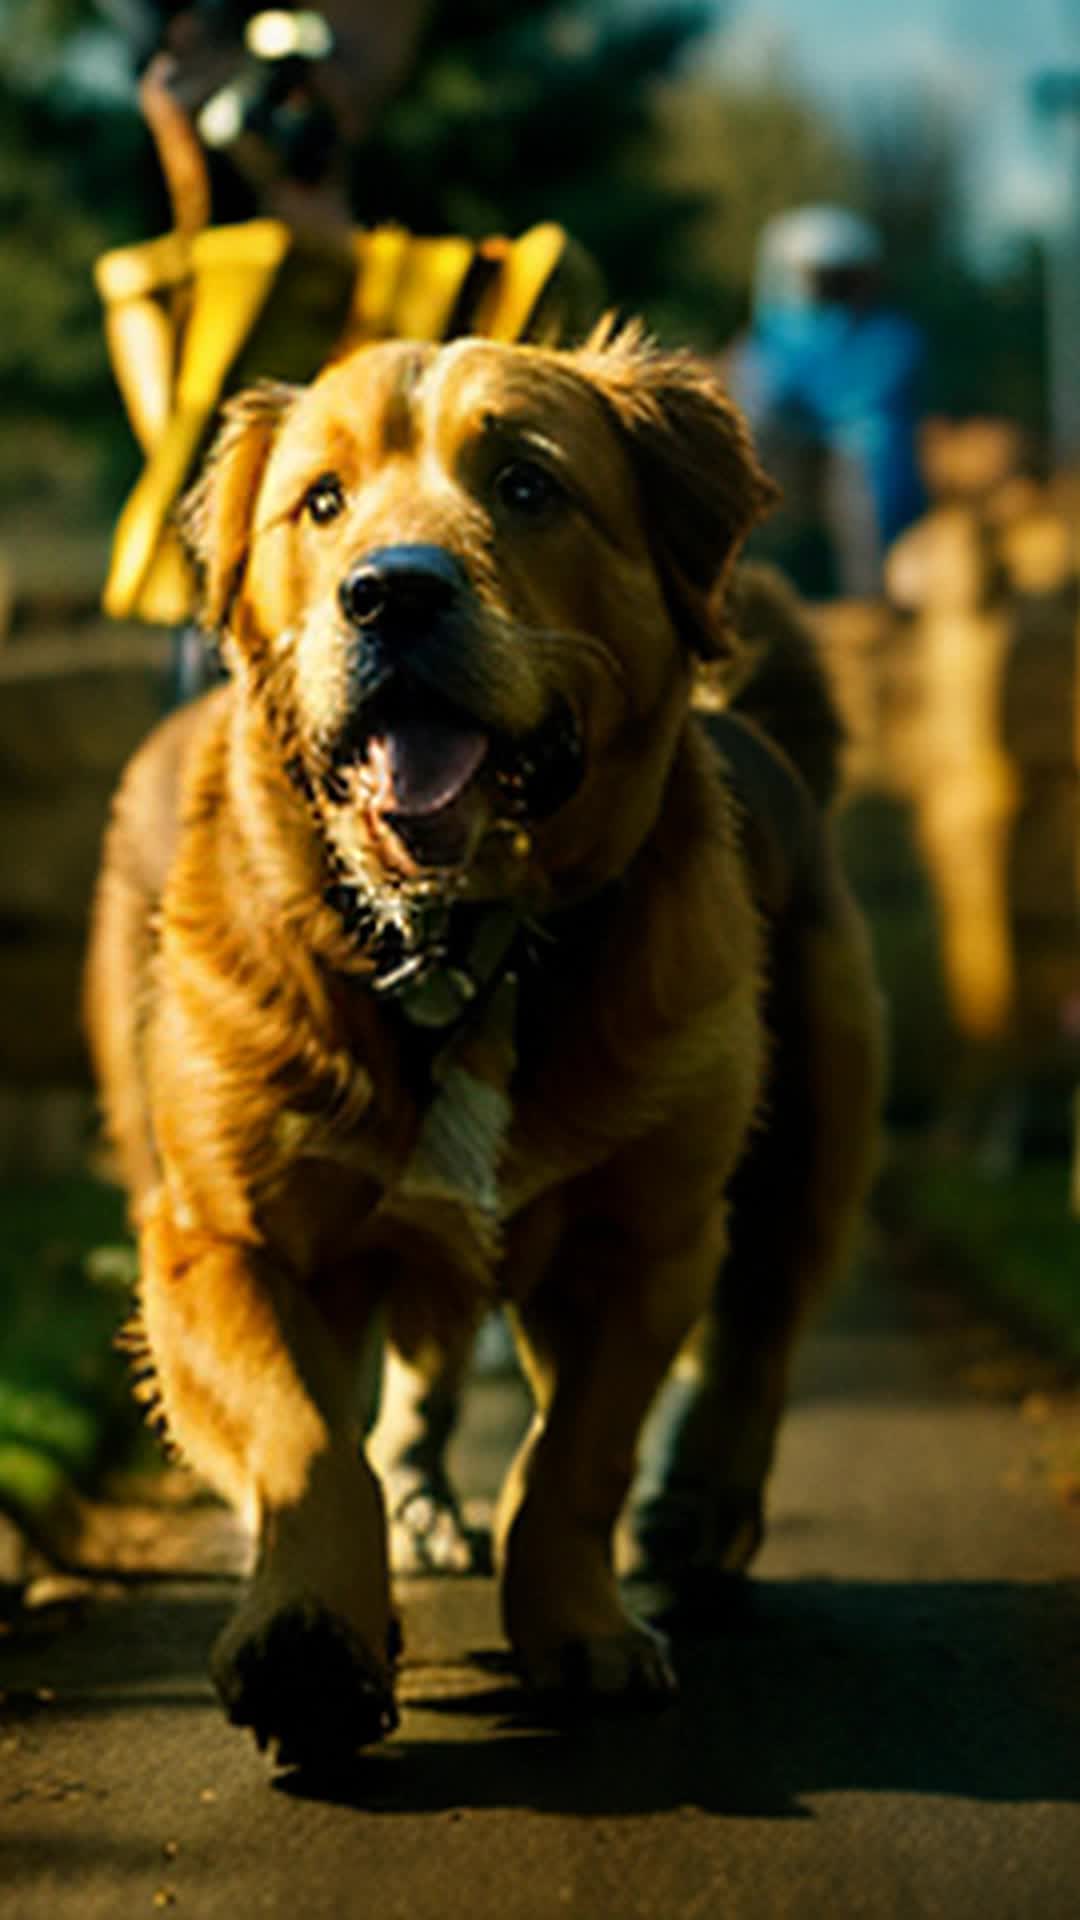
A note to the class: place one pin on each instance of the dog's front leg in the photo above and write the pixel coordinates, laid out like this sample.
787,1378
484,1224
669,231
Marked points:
258,1397
599,1333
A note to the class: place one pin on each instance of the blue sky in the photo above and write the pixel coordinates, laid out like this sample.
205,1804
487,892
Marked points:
980,53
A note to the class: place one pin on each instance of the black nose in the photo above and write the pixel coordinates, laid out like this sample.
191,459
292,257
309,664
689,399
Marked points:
407,584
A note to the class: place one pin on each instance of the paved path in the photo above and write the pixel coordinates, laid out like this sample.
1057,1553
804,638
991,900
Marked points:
888,1726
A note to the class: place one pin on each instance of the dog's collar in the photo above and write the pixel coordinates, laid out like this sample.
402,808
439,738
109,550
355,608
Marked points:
444,959
448,958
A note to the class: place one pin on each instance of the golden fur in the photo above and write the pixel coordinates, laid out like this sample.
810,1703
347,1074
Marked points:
680,1056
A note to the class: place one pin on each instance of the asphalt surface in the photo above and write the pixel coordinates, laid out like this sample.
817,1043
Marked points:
888,1723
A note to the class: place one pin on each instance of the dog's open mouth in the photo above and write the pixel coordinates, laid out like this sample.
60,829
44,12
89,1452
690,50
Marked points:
412,760
433,777
424,770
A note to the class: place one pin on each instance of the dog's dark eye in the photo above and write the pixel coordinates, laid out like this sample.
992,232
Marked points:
527,489
324,499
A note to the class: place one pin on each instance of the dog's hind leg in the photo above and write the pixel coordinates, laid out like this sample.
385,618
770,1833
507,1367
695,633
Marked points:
257,1392
698,1504
419,1408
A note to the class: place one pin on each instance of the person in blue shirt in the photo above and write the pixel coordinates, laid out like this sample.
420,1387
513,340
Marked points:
829,376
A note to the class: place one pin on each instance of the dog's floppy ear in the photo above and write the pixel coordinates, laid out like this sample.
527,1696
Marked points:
214,518
701,485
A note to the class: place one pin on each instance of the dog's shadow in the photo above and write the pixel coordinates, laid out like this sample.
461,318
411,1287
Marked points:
969,1690
800,1688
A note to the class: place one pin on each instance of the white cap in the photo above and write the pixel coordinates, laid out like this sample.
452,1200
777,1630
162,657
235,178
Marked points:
808,239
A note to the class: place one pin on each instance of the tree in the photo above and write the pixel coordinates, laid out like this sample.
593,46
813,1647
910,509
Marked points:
744,150
545,110
753,146
57,214
984,321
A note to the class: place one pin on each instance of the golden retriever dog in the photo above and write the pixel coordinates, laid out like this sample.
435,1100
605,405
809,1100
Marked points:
443,956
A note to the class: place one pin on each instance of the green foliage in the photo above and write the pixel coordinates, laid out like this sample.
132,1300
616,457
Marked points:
985,324
50,343
1012,1237
59,208
64,1393
540,112
33,34
744,150
748,148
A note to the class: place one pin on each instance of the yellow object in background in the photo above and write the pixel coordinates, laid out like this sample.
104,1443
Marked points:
191,317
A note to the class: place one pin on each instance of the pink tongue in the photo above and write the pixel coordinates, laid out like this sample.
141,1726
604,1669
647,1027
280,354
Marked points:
430,762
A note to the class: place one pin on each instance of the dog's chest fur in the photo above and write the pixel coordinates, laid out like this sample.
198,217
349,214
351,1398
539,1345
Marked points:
546,1081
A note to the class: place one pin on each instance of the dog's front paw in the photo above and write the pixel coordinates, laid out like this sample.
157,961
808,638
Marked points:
306,1685
631,1669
